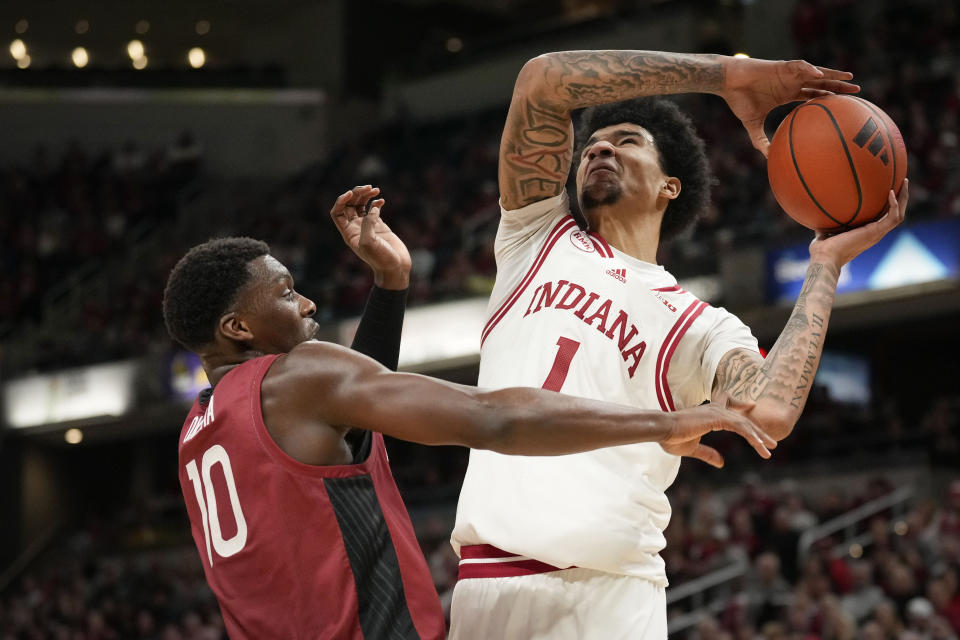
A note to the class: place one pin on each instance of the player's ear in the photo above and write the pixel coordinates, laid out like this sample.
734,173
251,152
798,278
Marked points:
234,327
670,188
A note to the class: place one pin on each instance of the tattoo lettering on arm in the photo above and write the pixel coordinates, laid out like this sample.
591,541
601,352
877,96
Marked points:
797,352
783,380
537,149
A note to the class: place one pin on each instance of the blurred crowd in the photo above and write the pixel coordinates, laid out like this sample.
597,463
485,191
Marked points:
899,581
85,593
891,576
63,214
111,224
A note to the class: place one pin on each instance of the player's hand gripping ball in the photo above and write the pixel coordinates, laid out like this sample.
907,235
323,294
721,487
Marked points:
833,160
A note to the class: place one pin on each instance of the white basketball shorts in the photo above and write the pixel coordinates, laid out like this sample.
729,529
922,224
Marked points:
517,603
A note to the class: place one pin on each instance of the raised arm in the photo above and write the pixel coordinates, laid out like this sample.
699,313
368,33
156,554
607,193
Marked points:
536,149
326,387
356,213
778,386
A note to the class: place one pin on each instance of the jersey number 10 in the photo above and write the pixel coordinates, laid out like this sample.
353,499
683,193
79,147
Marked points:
202,486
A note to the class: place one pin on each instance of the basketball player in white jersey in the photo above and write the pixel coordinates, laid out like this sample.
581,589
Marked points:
567,547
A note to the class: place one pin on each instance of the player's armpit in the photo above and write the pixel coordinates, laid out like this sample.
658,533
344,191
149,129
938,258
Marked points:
319,391
335,386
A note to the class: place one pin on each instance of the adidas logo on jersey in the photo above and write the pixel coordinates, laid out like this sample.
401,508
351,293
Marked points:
619,274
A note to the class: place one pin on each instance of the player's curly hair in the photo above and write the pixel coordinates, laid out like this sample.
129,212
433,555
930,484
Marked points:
682,152
204,284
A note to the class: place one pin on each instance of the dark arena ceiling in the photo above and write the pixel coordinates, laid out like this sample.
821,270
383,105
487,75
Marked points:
404,37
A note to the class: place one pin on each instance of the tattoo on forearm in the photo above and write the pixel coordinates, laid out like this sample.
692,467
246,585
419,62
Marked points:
537,145
786,375
594,77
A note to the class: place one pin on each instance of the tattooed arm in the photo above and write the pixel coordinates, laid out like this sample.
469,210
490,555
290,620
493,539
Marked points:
536,150
778,386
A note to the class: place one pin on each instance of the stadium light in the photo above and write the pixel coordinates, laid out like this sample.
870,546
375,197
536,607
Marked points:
140,63
24,62
73,436
197,57
454,44
135,49
18,49
80,57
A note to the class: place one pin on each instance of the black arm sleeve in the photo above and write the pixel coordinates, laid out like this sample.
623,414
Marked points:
378,334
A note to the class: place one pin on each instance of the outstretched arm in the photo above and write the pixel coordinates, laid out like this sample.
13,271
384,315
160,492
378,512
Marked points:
779,385
333,387
536,149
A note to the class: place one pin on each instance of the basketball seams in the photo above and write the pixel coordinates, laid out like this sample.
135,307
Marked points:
796,166
853,167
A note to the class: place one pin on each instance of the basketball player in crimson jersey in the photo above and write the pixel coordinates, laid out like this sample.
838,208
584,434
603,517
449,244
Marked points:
292,506
568,547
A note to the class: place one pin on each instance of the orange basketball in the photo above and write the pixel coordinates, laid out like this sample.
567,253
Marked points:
833,160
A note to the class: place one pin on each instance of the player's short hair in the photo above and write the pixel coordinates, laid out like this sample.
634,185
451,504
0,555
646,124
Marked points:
682,152
204,284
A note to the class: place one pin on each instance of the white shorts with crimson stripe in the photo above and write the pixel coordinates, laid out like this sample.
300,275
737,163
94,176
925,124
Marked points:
486,561
571,313
510,597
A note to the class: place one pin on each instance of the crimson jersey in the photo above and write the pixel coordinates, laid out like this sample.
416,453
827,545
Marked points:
298,551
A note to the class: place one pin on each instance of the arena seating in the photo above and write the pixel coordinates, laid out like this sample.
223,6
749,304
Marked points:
440,182
93,233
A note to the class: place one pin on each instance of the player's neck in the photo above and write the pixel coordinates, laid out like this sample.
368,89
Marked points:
217,365
634,234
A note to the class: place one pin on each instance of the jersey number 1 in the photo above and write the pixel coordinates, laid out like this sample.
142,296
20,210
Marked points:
208,507
561,364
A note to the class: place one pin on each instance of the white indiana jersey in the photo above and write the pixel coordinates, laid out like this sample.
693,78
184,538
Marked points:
571,314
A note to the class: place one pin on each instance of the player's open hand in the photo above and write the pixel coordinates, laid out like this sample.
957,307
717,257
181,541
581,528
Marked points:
752,88
689,425
357,216
840,248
